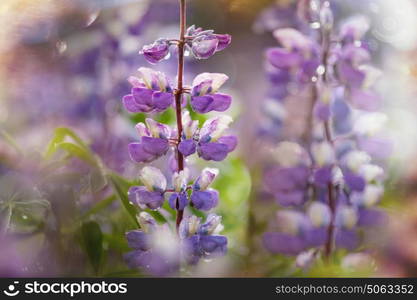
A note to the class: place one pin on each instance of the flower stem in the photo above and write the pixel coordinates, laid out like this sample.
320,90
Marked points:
332,205
328,248
179,93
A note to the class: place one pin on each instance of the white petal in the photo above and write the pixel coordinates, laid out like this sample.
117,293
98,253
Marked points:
142,130
323,154
180,180
215,127
206,178
153,179
218,79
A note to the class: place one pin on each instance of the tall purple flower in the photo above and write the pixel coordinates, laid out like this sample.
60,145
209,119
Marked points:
329,184
156,248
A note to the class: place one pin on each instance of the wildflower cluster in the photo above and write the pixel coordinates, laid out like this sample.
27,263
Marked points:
157,248
329,178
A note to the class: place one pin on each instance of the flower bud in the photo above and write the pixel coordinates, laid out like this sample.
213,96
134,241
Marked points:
204,46
224,41
157,51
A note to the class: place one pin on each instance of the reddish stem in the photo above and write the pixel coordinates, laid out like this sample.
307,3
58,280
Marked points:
178,94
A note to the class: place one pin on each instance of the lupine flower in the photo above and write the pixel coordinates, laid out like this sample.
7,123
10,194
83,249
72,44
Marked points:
352,163
324,158
298,54
202,240
202,197
332,185
158,251
205,43
157,51
296,232
205,96
322,107
371,135
155,247
353,29
153,141
210,143
151,92
346,220
151,195
289,180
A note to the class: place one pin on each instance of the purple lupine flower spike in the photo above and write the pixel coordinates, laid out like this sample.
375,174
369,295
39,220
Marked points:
329,177
156,248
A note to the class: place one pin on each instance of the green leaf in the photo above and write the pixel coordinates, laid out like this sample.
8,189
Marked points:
59,137
10,140
79,152
99,206
120,187
92,240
